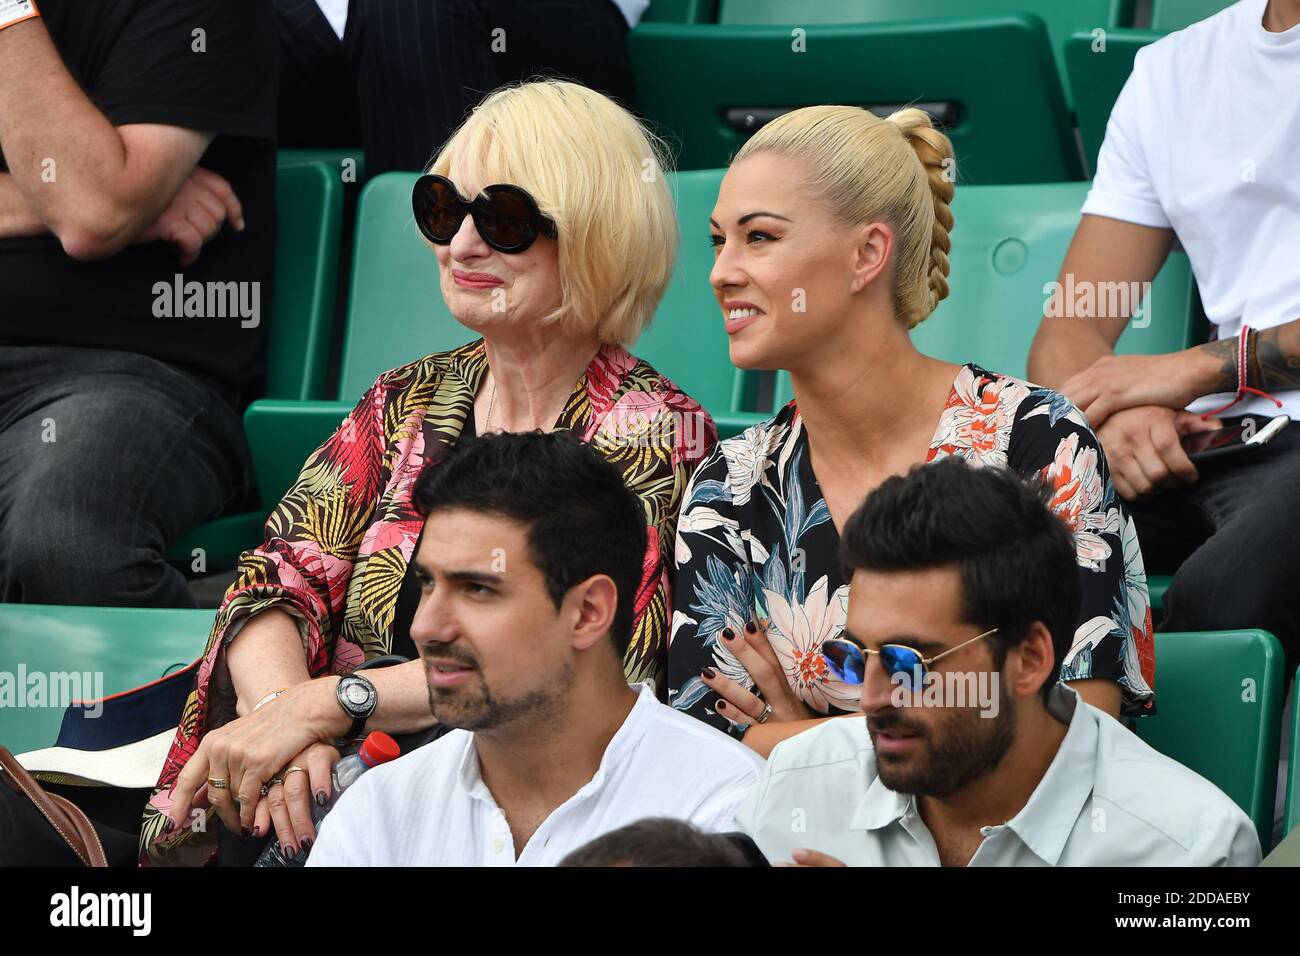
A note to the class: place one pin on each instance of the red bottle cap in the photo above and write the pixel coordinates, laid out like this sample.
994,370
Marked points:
379,748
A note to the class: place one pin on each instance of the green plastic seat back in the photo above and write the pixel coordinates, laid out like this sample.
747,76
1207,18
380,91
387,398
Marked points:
1168,15
1291,818
1060,18
1012,123
396,313
686,340
1008,242
1219,698
309,203
1097,74
128,646
309,207
348,165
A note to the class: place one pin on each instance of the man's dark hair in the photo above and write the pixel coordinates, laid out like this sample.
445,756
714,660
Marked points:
1016,557
658,841
581,519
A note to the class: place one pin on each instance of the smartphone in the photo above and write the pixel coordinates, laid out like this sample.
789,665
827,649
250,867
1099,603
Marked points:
1247,433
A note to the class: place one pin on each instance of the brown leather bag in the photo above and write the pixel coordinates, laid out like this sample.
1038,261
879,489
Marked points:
66,817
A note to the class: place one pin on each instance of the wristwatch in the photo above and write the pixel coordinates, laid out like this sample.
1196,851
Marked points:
358,698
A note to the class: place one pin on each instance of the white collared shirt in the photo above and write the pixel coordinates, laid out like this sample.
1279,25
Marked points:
1107,799
432,808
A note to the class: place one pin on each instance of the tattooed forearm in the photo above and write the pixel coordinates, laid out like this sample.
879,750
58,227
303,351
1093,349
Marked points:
1276,363
1226,351
1272,359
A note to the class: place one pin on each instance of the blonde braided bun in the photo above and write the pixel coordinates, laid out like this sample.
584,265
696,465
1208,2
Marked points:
895,170
934,150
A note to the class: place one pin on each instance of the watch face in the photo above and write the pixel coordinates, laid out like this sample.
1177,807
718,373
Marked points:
355,693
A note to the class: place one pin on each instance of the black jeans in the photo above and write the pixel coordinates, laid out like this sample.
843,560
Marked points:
1232,542
106,459
418,66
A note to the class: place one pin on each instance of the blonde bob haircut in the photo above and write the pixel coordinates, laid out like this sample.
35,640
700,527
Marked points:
594,169
898,170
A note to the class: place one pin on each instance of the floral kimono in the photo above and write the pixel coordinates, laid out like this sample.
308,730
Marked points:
337,547
755,502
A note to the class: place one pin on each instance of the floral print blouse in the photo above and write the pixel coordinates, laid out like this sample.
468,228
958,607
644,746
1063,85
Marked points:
337,546
754,502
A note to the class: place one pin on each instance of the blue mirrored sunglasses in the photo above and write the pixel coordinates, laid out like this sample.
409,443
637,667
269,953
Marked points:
847,660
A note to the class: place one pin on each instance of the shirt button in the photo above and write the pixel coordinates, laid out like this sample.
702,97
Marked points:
498,845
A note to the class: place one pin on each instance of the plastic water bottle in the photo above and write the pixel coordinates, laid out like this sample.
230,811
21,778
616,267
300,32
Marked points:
377,748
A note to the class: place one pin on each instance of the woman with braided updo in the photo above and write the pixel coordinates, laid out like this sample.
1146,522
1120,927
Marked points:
831,242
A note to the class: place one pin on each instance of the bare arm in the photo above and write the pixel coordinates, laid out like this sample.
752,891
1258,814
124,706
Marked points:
267,656
96,186
1102,250
16,216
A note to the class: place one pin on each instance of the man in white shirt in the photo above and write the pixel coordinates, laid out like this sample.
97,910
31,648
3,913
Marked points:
971,752
529,563
1200,148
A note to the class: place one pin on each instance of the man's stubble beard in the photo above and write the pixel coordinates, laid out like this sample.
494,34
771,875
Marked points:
477,709
957,757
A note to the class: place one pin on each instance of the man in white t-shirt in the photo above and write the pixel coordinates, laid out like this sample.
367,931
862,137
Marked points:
1201,148
529,563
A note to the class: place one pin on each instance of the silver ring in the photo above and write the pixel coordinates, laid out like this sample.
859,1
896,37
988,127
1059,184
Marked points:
767,712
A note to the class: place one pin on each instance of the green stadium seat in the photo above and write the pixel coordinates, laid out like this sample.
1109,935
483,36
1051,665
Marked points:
1007,243
129,646
1291,815
1061,19
1097,76
1168,15
689,313
707,85
309,204
336,160
1219,697
1157,585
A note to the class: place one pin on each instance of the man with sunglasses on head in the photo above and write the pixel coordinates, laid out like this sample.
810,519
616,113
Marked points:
964,578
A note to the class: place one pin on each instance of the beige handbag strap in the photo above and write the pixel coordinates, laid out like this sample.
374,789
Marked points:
65,816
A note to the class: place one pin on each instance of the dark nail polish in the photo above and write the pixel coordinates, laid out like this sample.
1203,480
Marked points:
245,833
749,626
321,799
709,672
290,853
728,634
257,832
722,705
169,826
306,847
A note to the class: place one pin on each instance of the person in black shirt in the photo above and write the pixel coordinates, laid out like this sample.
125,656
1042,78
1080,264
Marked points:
398,78
137,230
